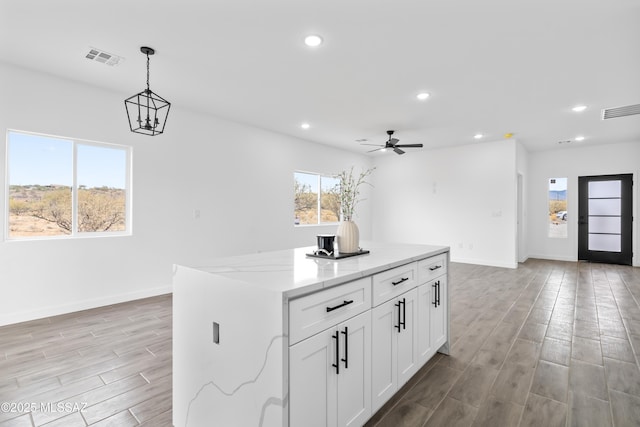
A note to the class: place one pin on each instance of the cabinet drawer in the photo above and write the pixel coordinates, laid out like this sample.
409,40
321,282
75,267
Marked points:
313,313
392,283
431,268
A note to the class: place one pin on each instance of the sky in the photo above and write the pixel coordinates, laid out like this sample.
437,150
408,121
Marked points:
312,181
43,160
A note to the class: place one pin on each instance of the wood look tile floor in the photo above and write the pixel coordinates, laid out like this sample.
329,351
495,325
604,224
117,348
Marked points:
109,366
547,344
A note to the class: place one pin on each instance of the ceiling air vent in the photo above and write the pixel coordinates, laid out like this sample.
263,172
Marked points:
628,110
103,57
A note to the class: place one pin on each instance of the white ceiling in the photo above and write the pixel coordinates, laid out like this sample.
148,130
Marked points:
491,66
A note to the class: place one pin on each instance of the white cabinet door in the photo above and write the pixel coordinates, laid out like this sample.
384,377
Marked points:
384,375
394,346
407,358
425,301
438,312
312,381
354,379
329,376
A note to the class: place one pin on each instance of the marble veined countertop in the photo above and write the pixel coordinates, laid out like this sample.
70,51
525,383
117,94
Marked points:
293,274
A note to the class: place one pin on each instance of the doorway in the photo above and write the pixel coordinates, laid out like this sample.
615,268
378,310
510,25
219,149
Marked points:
605,221
521,255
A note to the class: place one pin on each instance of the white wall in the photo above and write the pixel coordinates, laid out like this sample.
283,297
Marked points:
239,177
463,197
572,162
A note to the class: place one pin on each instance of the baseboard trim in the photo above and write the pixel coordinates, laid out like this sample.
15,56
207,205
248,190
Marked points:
554,257
484,262
25,316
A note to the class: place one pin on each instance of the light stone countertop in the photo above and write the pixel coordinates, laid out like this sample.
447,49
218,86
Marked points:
293,274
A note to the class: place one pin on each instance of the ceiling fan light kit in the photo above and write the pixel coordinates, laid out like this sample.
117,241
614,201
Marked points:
147,111
392,143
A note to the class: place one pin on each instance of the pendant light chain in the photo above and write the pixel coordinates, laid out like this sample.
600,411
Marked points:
148,88
147,124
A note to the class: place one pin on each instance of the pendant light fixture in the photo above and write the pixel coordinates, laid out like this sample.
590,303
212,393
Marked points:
147,111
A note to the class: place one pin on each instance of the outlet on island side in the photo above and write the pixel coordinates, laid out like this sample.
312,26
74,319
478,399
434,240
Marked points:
216,333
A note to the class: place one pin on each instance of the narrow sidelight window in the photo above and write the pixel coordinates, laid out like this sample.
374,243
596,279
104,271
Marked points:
558,215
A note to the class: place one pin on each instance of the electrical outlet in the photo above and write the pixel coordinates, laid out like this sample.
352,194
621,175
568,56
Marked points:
216,333
196,213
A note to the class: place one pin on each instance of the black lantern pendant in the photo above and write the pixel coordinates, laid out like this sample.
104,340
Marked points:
147,111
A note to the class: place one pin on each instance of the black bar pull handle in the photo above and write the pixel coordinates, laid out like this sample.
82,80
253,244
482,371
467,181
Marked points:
339,305
404,313
346,348
404,279
435,294
435,267
399,322
438,288
337,364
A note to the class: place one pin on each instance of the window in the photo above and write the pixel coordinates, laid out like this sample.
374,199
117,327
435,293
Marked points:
316,199
558,207
42,174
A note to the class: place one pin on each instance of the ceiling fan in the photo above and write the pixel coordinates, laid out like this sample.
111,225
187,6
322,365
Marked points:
392,143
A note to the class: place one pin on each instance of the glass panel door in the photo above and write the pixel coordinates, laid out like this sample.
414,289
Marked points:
605,210
605,218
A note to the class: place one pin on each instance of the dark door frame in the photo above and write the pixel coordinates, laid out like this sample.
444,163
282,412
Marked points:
624,257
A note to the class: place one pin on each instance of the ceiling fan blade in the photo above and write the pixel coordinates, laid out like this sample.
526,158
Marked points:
398,151
373,145
377,149
410,145
392,142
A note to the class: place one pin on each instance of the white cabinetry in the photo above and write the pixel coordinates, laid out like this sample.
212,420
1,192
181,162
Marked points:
330,372
394,346
438,313
394,331
432,307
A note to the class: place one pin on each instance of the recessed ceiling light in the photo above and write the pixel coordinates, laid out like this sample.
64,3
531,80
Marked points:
305,126
579,108
478,135
422,96
580,138
313,40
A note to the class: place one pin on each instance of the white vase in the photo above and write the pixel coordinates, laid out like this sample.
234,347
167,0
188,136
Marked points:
348,237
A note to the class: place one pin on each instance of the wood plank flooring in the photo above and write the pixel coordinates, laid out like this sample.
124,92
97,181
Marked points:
109,366
547,344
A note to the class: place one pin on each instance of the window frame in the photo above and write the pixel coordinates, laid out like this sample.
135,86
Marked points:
74,234
319,177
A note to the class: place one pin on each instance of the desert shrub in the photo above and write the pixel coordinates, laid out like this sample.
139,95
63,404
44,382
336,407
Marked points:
100,209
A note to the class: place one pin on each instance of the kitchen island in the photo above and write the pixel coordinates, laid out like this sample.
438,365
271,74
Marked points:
282,339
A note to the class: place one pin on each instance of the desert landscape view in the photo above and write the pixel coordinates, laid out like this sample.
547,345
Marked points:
46,210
